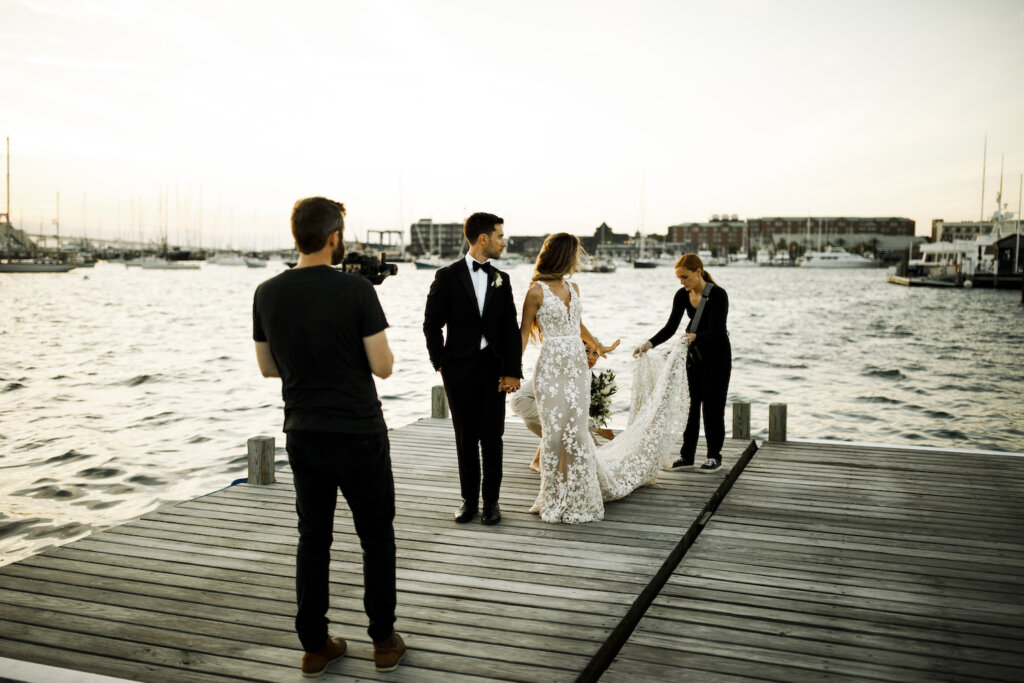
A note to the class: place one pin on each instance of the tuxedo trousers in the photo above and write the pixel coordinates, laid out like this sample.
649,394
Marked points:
478,416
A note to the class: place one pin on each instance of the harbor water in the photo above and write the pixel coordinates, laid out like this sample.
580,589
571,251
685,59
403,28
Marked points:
123,389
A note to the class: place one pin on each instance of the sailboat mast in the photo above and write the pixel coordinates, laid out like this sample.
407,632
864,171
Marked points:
998,227
1016,254
984,159
643,237
56,221
7,206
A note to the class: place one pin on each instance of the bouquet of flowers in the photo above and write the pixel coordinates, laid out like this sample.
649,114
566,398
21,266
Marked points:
602,386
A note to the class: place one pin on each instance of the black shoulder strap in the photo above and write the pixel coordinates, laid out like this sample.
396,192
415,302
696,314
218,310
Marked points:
692,327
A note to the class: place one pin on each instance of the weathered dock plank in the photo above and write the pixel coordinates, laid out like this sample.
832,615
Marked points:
848,562
203,590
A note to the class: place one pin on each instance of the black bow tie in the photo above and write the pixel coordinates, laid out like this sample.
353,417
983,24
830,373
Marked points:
477,266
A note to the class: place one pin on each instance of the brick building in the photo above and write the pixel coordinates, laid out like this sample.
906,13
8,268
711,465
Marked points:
721,235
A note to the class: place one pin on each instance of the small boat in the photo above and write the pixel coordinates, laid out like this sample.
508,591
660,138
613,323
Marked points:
429,262
227,260
254,262
834,257
642,261
34,266
510,260
158,263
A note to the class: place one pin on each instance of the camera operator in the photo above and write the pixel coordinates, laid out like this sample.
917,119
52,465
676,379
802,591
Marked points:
323,333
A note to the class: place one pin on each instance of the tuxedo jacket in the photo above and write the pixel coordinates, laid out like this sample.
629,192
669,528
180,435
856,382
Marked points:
452,303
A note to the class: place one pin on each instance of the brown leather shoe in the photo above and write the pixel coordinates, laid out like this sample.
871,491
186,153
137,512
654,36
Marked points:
386,655
315,663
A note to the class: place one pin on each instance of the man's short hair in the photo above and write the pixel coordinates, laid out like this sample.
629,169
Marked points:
313,221
480,224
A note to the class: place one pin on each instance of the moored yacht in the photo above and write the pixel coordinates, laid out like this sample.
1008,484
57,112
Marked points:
834,257
34,266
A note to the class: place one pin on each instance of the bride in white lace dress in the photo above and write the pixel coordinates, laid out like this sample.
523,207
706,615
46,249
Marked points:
577,478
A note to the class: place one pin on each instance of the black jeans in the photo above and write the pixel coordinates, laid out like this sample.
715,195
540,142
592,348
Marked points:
478,416
708,385
360,465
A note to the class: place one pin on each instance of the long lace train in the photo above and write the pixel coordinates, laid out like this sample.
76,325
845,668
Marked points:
576,476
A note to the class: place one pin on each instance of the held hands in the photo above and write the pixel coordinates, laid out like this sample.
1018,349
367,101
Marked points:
509,385
643,348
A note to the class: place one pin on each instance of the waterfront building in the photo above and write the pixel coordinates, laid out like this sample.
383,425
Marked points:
961,230
722,234
442,239
1009,255
887,237
528,246
607,242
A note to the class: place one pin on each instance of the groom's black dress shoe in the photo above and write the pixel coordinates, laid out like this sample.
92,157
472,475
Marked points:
465,513
492,514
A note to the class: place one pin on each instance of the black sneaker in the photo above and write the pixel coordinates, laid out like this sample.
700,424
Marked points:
680,463
711,464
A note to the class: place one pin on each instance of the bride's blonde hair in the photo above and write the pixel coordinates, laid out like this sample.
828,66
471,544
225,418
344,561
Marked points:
558,258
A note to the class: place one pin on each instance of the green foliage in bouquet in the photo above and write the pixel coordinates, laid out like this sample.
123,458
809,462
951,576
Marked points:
602,386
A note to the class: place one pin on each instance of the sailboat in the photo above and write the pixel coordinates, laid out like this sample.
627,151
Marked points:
641,261
430,260
162,262
34,266
13,263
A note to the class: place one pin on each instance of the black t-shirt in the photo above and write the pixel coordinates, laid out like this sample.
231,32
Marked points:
315,320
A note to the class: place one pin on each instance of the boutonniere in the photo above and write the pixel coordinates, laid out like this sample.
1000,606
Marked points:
497,280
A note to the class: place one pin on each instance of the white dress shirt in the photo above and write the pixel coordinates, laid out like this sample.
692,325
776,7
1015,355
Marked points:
479,278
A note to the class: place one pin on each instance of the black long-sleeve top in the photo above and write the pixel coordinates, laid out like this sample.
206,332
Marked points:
712,334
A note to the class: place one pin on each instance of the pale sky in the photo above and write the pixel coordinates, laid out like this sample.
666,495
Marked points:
555,115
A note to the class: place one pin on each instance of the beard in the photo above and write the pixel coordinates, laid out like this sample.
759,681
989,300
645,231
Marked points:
338,255
493,250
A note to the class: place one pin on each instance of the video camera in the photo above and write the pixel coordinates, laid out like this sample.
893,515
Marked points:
372,268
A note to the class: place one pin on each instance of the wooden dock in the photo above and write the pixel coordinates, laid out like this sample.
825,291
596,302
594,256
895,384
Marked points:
203,590
825,561
831,561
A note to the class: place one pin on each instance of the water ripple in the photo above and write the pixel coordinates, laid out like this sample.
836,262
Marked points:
160,411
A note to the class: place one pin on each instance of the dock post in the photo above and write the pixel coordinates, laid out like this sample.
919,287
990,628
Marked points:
438,402
261,460
740,420
777,422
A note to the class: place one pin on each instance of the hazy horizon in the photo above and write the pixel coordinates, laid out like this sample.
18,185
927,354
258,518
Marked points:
556,116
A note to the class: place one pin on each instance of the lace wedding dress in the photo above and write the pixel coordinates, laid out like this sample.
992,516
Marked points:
577,478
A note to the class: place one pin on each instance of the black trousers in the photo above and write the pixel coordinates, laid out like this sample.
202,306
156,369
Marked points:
708,385
360,465
478,416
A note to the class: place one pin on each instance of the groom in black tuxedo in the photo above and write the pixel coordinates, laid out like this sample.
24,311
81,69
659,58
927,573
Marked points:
480,359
